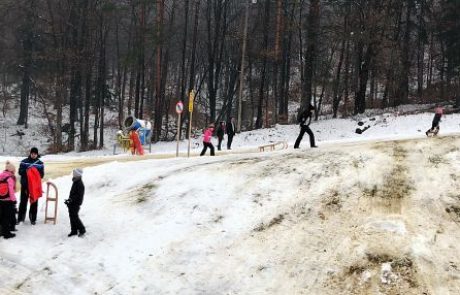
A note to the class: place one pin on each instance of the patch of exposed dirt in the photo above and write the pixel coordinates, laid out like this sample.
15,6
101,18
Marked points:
396,184
378,274
274,221
454,212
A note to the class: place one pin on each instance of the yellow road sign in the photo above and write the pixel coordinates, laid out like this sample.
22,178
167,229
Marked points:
191,100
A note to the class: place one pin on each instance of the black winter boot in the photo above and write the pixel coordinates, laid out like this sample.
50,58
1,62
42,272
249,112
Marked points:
72,233
9,236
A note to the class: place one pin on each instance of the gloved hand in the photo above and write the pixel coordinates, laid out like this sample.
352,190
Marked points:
67,202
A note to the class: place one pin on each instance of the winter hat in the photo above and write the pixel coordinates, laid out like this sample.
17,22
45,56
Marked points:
77,172
34,150
10,167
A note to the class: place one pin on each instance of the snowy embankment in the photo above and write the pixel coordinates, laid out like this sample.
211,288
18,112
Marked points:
383,125
363,218
348,218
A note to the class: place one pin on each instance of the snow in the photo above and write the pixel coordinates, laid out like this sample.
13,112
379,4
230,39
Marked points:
388,124
361,214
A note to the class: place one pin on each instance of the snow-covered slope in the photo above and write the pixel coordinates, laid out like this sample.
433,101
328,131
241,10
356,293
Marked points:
357,216
387,124
362,218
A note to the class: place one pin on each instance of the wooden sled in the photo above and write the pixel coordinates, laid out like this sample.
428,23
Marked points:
124,141
273,146
51,198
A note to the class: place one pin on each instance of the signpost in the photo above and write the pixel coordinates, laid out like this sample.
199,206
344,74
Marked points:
179,110
191,99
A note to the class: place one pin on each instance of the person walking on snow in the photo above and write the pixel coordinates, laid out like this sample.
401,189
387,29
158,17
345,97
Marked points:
231,131
435,124
207,140
220,134
31,171
7,199
75,200
305,120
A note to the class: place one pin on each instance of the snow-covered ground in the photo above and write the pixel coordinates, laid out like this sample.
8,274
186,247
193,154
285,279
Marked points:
384,124
370,217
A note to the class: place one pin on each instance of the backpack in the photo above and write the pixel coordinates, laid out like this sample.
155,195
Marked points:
299,117
4,190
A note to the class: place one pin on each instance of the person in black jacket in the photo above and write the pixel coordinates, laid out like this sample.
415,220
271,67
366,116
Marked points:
74,202
305,120
220,134
231,131
32,161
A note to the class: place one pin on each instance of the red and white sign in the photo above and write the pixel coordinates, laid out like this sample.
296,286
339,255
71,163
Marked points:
179,107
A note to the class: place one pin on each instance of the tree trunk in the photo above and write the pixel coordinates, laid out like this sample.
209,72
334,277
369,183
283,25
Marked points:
259,120
310,57
360,100
27,47
158,75
404,84
335,95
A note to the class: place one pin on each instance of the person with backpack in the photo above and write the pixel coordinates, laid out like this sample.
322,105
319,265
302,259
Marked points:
7,199
304,120
74,202
207,140
231,131
438,112
31,171
220,134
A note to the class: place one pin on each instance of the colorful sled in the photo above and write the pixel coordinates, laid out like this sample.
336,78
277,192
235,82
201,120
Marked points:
432,132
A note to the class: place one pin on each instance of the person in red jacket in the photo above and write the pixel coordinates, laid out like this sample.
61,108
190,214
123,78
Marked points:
207,140
7,199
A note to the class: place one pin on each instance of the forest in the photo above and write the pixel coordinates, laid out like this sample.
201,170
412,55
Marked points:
253,60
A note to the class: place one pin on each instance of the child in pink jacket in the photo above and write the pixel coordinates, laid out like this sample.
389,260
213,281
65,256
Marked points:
207,140
7,199
438,112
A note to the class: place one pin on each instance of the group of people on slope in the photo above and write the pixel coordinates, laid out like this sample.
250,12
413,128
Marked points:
32,171
222,129
304,120
305,117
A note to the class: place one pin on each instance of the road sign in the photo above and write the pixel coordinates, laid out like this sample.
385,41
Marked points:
179,107
191,98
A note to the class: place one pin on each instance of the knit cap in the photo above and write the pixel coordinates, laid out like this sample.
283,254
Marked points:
77,172
10,167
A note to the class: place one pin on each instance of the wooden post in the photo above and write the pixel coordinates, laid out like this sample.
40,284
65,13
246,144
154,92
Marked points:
51,199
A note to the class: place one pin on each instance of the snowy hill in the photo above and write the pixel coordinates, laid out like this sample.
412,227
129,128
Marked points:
354,219
357,216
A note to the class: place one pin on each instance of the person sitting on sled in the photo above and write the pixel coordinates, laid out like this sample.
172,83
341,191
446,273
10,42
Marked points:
435,124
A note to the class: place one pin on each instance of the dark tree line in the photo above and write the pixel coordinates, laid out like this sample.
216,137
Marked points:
80,59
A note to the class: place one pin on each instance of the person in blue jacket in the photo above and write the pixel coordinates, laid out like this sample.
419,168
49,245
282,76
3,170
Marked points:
33,160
